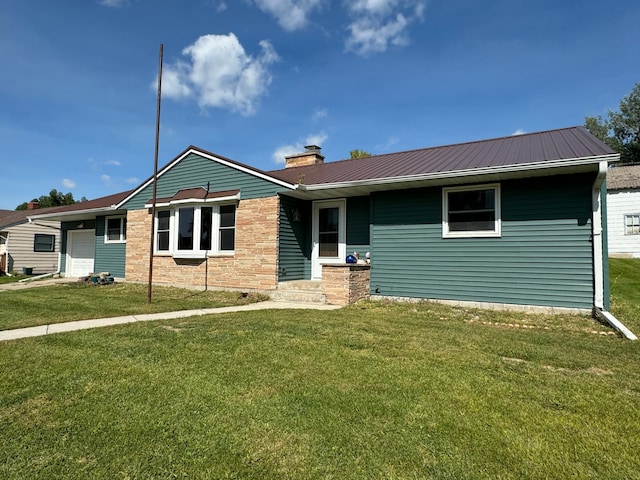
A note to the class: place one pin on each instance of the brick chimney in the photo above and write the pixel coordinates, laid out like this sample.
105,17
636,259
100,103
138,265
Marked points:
34,205
311,156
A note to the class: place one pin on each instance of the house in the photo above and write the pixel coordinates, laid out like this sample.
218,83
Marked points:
25,245
513,222
623,211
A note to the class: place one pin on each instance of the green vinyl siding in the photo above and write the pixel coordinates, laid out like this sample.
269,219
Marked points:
544,256
109,257
196,171
294,254
358,225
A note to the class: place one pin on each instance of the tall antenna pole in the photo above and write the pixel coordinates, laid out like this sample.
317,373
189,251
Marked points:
155,182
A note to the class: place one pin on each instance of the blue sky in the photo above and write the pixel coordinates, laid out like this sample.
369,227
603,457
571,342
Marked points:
254,80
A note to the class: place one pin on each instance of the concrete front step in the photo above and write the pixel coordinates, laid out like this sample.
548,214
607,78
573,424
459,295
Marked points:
300,291
301,285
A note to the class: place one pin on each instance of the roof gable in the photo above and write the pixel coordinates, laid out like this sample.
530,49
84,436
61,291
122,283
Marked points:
188,154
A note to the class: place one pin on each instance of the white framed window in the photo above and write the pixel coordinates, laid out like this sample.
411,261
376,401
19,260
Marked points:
195,231
115,230
632,224
472,211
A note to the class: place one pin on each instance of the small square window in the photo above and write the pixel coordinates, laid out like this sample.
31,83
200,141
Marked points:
632,224
471,211
44,243
116,230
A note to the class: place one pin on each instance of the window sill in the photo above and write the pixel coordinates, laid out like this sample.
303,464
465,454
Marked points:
473,235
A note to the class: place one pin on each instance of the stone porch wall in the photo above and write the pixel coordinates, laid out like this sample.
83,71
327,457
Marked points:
346,283
253,266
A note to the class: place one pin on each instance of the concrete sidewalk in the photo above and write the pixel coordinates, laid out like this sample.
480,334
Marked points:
105,322
45,282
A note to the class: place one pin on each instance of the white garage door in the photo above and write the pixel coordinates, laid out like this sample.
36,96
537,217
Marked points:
81,248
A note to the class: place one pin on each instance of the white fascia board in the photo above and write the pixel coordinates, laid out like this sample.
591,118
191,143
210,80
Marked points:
228,198
215,159
74,213
474,172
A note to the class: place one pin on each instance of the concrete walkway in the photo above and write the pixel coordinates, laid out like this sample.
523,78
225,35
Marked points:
105,322
45,282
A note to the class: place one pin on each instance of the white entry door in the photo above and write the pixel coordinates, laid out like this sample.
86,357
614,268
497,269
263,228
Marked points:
329,235
81,248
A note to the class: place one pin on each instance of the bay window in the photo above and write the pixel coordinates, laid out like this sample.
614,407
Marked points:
194,231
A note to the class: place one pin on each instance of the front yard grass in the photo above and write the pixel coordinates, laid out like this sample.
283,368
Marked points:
396,391
67,302
625,291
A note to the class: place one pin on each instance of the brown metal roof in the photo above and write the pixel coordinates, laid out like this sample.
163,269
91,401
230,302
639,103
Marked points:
623,177
532,148
195,193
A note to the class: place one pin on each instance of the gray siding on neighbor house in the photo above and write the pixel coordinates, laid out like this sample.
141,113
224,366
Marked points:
544,256
195,171
109,257
20,247
294,240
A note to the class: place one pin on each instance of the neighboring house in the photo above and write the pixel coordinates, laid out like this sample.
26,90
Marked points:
93,236
623,211
28,245
506,222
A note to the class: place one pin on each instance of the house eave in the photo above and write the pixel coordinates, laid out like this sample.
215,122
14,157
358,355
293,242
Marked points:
88,214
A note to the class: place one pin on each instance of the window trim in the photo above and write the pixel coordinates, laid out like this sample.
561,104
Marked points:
123,228
53,242
633,216
497,230
195,252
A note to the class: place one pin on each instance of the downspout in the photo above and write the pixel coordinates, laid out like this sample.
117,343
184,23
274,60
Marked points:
598,271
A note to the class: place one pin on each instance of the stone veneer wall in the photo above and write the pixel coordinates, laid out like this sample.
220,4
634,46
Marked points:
347,283
253,266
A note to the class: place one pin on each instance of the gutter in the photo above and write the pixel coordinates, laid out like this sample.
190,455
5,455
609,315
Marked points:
598,271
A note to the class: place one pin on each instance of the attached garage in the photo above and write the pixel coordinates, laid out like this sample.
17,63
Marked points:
81,247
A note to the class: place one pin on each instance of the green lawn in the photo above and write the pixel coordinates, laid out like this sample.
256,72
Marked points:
625,291
376,390
67,302
371,391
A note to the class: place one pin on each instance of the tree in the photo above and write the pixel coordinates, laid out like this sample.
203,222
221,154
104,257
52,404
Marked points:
621,129
358,154
54,199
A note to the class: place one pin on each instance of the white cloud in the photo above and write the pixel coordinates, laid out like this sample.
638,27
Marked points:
518,132
113,3
105,178
68,183
221,7
286,150
115,163
319,114
131,181
291,14
377,24
220,74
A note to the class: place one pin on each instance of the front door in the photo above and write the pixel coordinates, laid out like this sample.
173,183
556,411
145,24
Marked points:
81,245
329,235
